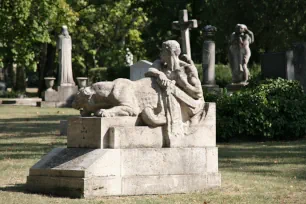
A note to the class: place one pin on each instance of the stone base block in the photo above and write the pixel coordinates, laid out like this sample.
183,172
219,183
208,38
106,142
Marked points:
66,93
93,132
51,96
79,172
123,132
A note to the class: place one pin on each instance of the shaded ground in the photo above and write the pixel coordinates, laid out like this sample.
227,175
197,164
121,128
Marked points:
270,172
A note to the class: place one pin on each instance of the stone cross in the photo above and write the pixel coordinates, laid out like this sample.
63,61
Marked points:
184,25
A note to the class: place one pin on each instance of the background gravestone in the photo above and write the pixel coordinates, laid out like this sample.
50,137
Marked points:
138,69
299,61
278,64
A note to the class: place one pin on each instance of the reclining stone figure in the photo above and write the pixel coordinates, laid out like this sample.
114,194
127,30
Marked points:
170,94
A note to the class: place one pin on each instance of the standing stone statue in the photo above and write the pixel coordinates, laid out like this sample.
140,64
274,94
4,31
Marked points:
240,53
129,57
208,57
64,45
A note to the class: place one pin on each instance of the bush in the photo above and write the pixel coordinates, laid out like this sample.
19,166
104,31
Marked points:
13,94
108,74
97,74
275,109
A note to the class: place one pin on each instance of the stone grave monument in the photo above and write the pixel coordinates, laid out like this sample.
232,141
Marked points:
208,60
277,64
290,64
299,61
66,88
239,55
138,70
155,135
183,24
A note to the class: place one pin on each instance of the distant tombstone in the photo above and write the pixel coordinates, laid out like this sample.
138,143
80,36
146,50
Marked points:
299,61
278,64
138,69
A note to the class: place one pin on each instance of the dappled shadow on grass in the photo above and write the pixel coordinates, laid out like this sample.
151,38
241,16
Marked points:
25,150
269,158
39,124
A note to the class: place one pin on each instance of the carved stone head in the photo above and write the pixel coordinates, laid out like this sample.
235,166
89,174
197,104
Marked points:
82,98
169,48
240,28
65,31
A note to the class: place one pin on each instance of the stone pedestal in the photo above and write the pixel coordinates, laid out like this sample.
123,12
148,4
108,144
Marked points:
63,97
208,62
114,156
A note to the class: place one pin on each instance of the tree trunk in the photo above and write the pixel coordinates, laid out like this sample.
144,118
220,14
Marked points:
46,66
20,83
41,69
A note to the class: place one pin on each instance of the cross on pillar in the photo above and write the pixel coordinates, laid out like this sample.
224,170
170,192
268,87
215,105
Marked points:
184,25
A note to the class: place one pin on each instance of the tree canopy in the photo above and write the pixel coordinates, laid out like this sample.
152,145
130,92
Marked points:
102,30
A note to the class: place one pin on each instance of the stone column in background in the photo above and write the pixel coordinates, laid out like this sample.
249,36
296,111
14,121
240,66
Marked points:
208,58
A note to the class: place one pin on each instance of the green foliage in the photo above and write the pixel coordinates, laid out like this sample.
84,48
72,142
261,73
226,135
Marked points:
223,73
108,74
97,74
275,109
13,94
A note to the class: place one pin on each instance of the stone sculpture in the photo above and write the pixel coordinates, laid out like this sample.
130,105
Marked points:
64,45
184,25
171,94
150,136
240,53
129,58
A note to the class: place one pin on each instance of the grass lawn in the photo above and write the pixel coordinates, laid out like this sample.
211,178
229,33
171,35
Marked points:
270,172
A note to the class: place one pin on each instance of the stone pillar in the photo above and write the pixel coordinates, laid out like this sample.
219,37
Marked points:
208,59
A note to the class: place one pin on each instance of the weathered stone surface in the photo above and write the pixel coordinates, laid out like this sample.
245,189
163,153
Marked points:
63,127
208,59
168,184
121,132
51,96
64,45
164,98
138,69
166,161
104,172
183,24
240,53
66,93
135,137
92,132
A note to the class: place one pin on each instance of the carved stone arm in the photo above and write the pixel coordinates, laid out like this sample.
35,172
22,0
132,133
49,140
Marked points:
251,35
